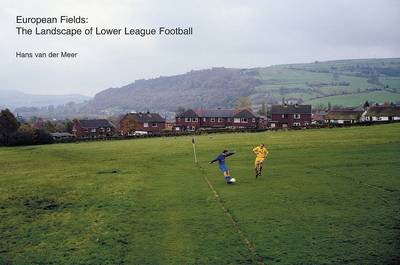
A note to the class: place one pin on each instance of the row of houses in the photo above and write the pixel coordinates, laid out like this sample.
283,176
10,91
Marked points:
282,116
376,113
192,120
152,123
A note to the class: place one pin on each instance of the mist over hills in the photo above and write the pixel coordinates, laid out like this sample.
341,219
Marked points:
13,99
341,82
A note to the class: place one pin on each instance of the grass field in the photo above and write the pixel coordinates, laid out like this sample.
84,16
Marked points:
357,99
329,196
295,82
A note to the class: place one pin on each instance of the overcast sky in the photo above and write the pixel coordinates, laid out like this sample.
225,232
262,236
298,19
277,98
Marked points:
229,33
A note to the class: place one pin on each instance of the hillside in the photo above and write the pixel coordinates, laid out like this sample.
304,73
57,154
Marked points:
343,82
212,88
14,99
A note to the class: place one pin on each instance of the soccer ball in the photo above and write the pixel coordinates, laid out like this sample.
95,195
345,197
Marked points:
233,180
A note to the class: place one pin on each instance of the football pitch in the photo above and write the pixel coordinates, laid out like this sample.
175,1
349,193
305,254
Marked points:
327,196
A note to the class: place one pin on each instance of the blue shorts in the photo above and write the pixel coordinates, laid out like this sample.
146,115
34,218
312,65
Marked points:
223,168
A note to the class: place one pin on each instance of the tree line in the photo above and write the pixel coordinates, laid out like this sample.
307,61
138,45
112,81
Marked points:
13,133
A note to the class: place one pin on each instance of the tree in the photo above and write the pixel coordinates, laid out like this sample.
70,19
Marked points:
42,137
243,103
8,125
24,135
263,110
26,128
49,127
68,125
329,105
366,105
180,110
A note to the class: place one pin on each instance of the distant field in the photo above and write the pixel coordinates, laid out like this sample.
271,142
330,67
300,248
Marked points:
328,80
329,196
357,99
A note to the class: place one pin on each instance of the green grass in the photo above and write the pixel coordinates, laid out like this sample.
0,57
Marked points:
328,196
357,99
300,81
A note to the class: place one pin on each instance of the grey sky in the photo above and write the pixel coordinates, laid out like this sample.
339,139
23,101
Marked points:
226,33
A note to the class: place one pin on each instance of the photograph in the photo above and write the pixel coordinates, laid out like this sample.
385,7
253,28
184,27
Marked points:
199,132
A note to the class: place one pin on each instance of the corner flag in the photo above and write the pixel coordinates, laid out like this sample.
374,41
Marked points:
194,150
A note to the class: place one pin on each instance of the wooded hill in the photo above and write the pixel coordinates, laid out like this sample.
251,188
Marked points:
344,82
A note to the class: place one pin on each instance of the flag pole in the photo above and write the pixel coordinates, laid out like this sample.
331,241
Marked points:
194,150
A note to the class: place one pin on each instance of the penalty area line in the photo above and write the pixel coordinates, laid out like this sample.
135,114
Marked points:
245,239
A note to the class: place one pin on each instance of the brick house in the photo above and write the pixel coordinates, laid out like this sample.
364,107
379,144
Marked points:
96,128
283,116
192,120
149,123
318,117
383,113
344,116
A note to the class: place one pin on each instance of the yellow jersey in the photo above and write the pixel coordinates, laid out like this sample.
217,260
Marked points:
261,152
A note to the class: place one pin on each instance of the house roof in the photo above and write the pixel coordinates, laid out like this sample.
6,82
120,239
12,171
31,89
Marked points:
218,113
379,111
211,113
291,109
147,117
95,123
244,113
318,117
344,114
188,113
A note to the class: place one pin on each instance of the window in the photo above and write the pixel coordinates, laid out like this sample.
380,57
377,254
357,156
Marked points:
212,119
195,119
154,124
179,119
254,119
284,116
297,116
93,130
306,124
236,120
296,123
188,119
204,119
244,120
145,125
108,129
220,120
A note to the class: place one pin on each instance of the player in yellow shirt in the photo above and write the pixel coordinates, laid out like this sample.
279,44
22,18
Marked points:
261,154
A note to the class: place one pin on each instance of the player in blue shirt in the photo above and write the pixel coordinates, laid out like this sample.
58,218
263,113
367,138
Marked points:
222,165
